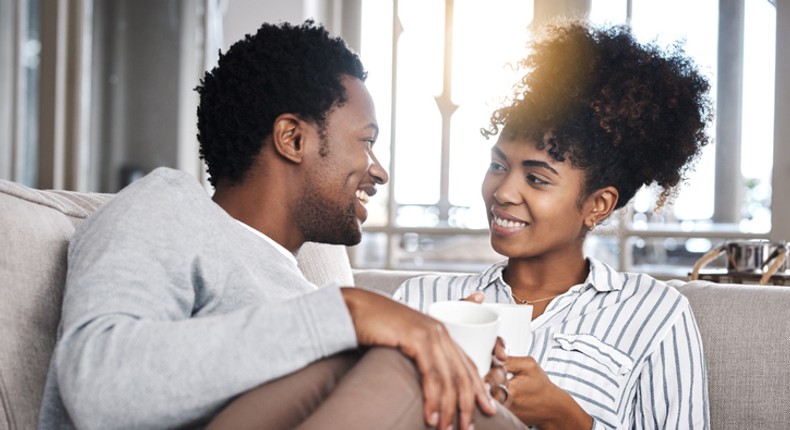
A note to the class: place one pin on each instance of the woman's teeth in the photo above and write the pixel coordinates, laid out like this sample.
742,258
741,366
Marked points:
508,224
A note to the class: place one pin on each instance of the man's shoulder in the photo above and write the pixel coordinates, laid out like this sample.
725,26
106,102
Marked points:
162,197
163,187
165,180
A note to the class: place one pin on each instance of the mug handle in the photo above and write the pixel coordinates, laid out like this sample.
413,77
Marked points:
705,259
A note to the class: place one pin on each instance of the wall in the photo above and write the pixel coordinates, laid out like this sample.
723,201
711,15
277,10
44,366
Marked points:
780,225
245,16
338,16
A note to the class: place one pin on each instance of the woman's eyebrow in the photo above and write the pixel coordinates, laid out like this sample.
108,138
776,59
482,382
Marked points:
526,163
538,163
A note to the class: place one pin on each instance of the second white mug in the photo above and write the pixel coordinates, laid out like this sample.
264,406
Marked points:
514,327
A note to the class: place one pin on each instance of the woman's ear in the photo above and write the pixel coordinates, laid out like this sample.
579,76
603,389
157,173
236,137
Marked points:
603,201
288,137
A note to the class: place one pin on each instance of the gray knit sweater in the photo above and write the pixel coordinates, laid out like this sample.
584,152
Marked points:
172,308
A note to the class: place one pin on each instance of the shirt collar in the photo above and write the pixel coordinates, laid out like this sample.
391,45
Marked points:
603,277
493,275
271,242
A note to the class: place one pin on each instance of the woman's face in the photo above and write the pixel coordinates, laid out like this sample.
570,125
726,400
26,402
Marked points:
533,202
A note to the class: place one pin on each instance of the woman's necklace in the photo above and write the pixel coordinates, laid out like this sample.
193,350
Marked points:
530,302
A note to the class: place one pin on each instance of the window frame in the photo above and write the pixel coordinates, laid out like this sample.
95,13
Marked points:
623,232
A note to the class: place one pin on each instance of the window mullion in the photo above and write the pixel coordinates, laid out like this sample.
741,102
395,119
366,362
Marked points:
446,109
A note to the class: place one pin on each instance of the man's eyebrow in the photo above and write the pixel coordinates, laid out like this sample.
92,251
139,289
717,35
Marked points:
498,152
373,126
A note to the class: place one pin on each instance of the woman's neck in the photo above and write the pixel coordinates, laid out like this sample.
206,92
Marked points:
533,277
538,281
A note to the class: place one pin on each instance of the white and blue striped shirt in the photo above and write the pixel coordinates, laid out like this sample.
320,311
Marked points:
625,346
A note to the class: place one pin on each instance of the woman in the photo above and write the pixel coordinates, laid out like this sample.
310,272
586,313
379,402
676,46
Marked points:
596,117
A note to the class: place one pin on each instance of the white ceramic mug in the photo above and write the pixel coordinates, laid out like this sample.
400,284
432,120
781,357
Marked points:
473,327
514,327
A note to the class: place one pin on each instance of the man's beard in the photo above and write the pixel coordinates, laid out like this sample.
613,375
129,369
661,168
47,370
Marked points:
326,221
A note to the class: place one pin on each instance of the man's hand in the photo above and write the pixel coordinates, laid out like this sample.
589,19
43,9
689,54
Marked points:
450,381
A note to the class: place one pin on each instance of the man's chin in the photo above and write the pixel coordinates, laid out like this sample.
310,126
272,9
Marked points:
350,238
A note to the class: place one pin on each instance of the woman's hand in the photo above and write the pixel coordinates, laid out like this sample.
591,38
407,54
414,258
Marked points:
496,378
535,400
450,382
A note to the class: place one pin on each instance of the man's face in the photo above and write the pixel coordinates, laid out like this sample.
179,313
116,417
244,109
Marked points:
345,172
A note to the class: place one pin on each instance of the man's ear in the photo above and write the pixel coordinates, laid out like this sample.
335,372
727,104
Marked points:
288,137
603,202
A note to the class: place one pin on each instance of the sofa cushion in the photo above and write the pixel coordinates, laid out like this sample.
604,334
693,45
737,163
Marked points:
747,349
34,231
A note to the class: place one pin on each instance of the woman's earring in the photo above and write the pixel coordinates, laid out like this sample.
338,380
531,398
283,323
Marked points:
590,228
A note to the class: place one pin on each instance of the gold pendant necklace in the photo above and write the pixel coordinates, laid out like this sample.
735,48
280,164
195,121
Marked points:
530,302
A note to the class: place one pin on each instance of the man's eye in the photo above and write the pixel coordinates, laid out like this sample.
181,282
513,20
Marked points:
494,166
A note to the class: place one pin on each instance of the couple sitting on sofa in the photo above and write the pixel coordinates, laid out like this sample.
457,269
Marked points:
184,310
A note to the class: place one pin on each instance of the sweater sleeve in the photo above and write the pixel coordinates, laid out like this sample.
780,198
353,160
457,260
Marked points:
146,341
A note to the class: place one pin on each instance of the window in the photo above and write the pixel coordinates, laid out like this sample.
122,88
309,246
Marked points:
437,69
20,49
94,94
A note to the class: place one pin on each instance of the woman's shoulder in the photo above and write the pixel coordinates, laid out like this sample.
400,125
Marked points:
634,287
457,280
420,290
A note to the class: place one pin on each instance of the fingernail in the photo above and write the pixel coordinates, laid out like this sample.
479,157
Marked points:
471,426
493,402
450,427
433,419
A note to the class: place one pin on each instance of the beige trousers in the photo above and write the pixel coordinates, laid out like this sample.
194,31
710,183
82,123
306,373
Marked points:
378,389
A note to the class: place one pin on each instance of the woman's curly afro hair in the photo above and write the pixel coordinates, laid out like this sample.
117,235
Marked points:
280,69
626,114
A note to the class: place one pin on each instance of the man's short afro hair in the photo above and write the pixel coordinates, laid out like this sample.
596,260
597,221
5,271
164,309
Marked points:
280,69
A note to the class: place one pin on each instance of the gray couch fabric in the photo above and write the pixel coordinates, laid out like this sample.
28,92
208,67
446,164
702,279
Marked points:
743,326
34,232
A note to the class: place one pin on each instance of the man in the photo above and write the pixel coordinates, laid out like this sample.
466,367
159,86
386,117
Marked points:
176,303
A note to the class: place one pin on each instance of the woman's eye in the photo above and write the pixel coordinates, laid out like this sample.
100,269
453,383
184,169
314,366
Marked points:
536,180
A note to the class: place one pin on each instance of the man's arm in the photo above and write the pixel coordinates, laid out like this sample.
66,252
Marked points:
171,309
449,380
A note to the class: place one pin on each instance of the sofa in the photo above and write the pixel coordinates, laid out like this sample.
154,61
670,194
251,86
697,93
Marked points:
742,326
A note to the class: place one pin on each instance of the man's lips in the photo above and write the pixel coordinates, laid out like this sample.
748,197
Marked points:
363,197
